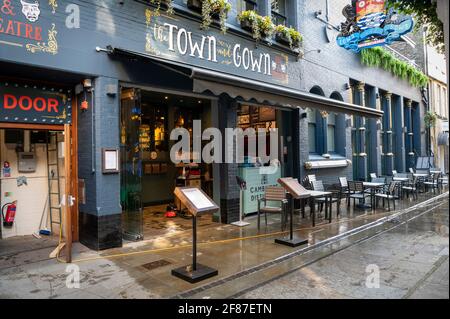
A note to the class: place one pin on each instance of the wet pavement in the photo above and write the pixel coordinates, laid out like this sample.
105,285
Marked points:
410,260
245,258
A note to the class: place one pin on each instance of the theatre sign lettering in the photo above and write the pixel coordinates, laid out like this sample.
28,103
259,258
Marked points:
169,38
22,24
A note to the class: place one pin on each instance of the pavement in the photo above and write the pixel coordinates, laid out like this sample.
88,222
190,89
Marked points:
246,259
408,261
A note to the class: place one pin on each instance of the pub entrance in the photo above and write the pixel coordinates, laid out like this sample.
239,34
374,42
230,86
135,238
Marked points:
148,175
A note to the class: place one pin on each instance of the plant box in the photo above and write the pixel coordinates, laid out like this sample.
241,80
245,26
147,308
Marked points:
281,38
195,5
246,25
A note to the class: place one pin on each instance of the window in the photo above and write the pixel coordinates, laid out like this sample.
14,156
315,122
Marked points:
312,130
445,103
331,131
278,8
245,5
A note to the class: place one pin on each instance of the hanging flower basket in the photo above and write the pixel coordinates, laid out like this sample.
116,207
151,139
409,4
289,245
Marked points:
211,9
259,26
195,5
288,36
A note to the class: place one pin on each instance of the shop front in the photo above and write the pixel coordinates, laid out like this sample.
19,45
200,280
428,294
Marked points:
133,89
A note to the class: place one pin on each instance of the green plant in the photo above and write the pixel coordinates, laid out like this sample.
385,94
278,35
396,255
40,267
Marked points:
293,36
157,3
430,119
381,58
425,14
261,26
210,7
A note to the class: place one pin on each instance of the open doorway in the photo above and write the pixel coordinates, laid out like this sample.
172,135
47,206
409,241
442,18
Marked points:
32,182
148,176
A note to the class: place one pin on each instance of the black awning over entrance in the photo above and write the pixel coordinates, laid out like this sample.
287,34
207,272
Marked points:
219,83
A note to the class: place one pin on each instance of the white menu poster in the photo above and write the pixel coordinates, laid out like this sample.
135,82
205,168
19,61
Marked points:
197,198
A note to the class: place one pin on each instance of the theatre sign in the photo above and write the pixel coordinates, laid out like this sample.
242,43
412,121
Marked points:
22,24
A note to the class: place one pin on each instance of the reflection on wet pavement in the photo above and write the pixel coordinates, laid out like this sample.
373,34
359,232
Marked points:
142,269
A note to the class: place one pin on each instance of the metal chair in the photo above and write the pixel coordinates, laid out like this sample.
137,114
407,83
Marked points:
411,188
273,194
432,182
335,197
387,195
343,183
356,190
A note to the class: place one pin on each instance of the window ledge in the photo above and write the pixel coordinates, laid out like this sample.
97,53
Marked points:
318,164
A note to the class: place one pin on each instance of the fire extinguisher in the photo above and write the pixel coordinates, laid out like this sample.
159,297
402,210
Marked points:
8,219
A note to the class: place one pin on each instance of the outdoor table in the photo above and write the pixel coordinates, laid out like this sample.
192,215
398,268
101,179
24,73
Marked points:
373,187
318,194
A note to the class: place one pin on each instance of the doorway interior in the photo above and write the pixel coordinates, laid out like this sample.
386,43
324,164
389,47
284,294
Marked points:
33,179
148,176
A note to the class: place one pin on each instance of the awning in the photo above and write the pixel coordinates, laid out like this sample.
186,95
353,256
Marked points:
442,139
251,90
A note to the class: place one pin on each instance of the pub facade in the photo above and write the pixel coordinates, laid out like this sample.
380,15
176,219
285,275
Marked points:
104,83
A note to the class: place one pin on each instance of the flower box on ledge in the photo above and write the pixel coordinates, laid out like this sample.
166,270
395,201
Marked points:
281,38
195,5
246,25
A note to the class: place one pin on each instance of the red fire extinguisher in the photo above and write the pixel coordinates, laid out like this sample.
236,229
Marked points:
8,219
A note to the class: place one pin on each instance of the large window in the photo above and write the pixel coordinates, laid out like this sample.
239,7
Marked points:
331,133
278,8
312,127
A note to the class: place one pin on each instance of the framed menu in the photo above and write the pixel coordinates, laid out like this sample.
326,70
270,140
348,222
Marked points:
294,187
195,200
110,163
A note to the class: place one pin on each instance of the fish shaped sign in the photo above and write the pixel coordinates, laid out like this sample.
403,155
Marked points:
369,24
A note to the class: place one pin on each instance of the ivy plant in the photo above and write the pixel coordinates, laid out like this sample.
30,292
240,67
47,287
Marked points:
381,58
430,119
169,4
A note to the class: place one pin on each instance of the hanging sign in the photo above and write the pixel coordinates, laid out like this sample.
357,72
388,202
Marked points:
26,104
370,24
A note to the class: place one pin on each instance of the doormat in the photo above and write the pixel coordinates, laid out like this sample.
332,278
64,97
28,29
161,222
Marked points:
156,264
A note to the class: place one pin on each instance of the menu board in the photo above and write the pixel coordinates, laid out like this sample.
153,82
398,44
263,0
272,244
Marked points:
294,188
195,200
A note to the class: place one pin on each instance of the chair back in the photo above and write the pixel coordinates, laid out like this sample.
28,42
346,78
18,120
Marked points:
312,178
274,193
359,186
391,187
351,186
343,181
318,186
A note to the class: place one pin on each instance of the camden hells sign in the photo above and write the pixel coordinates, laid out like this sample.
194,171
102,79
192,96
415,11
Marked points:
29,104
370,24
22,25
